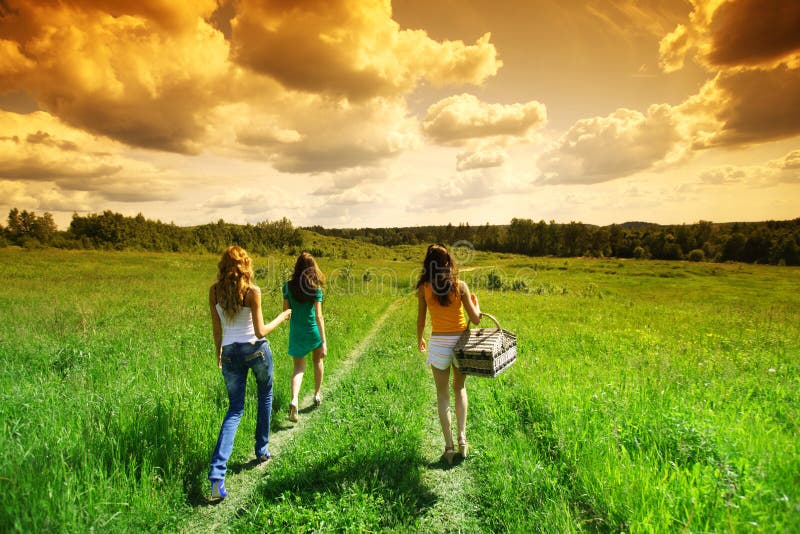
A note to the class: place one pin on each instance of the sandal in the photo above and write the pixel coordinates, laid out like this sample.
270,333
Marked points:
463,449
449,454
293,415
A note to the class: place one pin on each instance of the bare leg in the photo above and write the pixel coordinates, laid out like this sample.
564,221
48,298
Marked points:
319,369
441,379
297,378
460,393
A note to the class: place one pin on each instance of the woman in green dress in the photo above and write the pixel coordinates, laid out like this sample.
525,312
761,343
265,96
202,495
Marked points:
303,295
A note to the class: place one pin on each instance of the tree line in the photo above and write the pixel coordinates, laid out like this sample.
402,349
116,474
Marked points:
114,231
768,242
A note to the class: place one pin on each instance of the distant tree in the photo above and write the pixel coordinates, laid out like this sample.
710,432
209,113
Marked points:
24,226
757,247
788,252
733,248
697,255
672,251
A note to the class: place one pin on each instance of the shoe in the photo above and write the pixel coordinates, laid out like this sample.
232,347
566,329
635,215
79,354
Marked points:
317,399
218,490
263,458
293,415
449,454
463,449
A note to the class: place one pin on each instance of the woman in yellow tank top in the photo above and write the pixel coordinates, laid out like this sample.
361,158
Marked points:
440,291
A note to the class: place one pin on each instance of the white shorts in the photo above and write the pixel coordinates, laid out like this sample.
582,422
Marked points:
440,350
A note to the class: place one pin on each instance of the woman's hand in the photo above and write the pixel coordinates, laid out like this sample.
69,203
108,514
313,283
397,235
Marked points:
285,314
219,360
422,346
324,348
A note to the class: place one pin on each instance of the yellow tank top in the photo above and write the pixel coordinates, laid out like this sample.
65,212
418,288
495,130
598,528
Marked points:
448,318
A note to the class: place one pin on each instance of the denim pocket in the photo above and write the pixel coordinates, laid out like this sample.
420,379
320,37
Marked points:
260,353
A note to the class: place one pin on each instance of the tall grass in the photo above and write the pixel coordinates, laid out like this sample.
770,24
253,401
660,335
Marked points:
111,399
647,397
666,404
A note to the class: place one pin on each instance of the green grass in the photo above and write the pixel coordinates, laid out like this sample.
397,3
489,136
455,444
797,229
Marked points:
647,397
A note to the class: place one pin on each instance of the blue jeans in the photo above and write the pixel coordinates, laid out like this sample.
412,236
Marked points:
237,358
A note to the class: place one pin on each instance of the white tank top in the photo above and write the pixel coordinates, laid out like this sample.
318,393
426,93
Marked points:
239,329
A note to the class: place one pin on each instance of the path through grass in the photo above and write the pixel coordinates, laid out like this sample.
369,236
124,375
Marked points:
213,516
370,458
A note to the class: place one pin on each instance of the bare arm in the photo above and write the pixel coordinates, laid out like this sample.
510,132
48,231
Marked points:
321,326
216,325
260,328
422,310
470,303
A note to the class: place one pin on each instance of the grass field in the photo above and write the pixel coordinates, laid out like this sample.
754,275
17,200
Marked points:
647,397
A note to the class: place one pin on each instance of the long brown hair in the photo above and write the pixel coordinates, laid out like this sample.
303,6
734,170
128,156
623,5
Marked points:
234,277
306,278
439,270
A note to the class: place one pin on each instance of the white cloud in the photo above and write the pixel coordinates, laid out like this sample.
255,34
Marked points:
777,171
339,182
482,158
606,148
459,118
472,187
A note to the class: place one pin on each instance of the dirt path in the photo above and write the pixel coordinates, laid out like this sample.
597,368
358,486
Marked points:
452,511
215,517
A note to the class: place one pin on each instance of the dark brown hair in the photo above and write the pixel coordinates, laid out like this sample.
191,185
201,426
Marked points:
439,270
306,278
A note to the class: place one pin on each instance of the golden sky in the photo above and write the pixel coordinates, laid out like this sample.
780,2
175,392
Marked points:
350,113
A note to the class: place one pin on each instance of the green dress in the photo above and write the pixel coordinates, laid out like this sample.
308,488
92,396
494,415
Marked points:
304,333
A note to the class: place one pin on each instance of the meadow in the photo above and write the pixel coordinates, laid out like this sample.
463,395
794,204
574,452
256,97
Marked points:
647,397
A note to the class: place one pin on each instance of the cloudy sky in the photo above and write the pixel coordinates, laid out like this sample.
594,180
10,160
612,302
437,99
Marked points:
350,113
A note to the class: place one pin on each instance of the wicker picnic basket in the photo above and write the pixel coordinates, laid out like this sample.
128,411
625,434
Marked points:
486,351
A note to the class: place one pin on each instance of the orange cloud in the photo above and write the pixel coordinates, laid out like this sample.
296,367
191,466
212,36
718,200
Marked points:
39,148
751,32
759,105
142,73
309,86
732,34
350,48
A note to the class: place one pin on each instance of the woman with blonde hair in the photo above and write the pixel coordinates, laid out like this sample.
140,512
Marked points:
441,292
240,346
303,295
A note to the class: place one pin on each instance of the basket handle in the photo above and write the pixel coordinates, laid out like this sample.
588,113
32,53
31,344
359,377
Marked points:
492,318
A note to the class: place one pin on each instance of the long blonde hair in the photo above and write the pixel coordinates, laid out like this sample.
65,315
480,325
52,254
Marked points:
234,277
